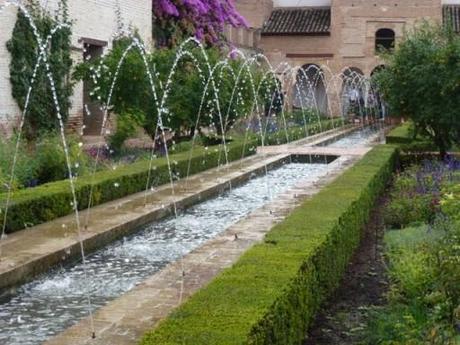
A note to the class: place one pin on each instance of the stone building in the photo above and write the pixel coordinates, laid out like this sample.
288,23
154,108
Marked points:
94,24
337,35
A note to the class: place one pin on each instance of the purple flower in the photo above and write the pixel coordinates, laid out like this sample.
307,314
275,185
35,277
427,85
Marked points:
205,19
165,7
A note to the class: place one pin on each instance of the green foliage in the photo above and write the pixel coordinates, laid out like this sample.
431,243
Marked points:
52,200
420,81
272,293
450,201
424,295
43,162
25,166
50,159
414,197
127,125
24,50
187,91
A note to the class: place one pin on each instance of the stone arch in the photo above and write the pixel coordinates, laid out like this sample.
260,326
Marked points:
377,69
380,104
353,94
309,89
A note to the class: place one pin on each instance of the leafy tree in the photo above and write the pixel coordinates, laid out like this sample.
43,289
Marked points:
24,50
188,101
175,20
422,82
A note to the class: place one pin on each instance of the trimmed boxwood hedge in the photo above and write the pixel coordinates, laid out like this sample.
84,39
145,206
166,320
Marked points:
272,293
400,135
52,200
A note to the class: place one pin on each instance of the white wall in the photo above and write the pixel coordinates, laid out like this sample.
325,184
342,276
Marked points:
450,2
8,107
93,19
301,3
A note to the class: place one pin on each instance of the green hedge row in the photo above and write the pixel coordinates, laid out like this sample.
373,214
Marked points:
49,201
271,295
402,134
298,132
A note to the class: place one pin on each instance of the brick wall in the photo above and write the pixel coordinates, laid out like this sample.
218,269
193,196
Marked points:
352,38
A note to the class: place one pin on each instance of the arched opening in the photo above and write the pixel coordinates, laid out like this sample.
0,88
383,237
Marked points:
377,69
309,89
353,93
384,40
379,103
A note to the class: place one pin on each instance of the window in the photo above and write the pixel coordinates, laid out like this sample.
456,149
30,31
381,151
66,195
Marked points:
384,40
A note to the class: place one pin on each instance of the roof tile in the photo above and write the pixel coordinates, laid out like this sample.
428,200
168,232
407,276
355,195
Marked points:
298,21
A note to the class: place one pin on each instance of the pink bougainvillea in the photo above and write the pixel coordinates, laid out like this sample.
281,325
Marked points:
205,19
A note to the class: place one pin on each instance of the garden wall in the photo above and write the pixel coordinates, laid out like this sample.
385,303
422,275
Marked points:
271,295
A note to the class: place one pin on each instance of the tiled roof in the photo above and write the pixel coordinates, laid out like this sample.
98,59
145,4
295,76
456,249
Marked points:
298,21
451,14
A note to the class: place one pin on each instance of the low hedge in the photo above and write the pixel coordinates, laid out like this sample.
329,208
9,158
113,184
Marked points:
271,295
49,201
402,134
298,132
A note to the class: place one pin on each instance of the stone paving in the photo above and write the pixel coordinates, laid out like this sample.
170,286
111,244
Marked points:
124,320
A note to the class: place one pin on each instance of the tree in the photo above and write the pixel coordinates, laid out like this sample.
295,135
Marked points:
188,101
24,50
422,82
175,20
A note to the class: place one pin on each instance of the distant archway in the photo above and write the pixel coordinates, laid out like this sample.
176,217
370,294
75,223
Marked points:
309,89
353,91
380,104
377,69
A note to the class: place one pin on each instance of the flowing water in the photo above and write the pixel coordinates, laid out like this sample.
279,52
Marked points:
362,137
46,306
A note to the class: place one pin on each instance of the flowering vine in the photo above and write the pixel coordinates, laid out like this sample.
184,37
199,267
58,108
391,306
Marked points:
204,19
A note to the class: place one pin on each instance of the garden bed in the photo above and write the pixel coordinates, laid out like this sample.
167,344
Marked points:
406,290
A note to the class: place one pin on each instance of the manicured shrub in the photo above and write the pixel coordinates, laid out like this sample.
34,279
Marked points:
272,293
49,201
